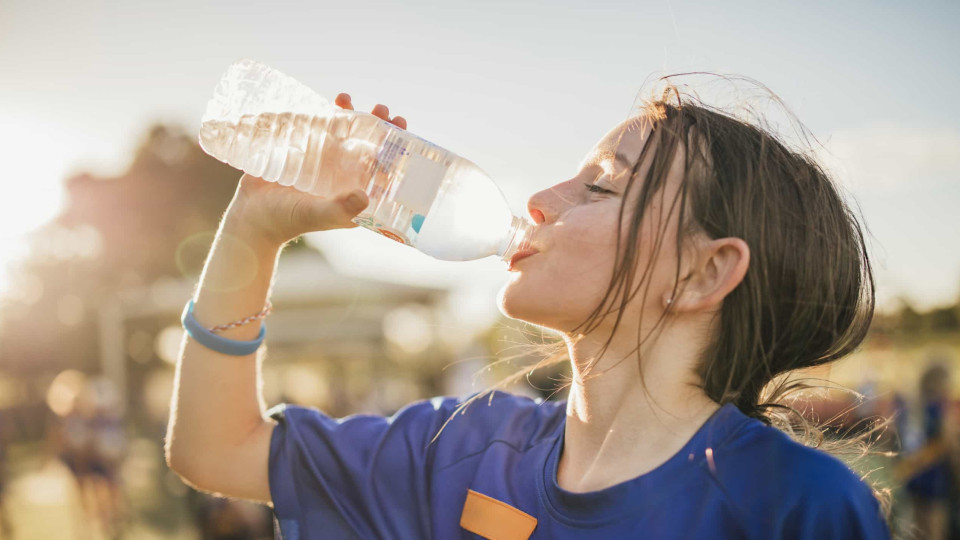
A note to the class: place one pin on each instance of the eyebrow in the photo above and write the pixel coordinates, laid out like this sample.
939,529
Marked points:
619,157
622,158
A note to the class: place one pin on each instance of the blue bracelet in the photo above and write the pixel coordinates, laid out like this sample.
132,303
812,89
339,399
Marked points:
214,342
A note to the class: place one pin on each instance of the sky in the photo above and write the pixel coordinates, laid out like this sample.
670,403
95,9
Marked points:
523,89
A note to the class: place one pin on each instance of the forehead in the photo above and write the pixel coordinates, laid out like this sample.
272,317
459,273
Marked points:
625,140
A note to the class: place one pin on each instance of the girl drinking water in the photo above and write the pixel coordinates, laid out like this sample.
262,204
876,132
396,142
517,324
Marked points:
691,260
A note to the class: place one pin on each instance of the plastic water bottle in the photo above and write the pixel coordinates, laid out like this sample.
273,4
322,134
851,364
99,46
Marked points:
271,126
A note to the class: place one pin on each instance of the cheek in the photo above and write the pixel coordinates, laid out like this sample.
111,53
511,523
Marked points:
656,264
559,288
551,293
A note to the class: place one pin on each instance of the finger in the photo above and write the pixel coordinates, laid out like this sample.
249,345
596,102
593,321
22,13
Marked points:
343,101
400,122
381,111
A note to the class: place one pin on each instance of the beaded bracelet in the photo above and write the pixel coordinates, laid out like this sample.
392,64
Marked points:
266,311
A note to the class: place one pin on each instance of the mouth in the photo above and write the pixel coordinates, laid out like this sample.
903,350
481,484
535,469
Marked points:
519,256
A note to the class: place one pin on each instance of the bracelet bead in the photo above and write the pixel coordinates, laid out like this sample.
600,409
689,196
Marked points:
266,311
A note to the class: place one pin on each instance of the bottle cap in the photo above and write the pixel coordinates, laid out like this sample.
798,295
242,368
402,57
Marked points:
517,239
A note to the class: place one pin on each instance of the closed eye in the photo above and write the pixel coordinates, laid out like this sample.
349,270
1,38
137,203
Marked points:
593,188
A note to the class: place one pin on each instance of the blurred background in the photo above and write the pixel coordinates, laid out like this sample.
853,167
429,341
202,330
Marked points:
111,208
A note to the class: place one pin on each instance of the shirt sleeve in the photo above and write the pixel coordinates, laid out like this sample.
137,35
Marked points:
852,513
362,476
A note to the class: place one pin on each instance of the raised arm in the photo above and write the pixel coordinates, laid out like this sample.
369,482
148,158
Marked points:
217,437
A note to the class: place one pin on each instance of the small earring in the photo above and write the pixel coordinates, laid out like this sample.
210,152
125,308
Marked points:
669,301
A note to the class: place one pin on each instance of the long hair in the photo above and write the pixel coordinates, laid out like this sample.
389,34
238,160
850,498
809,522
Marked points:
808,296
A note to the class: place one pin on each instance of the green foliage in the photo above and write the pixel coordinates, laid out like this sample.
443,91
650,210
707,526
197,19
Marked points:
941,320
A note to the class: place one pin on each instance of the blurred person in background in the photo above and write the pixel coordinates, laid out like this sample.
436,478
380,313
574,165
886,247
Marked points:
930,471
5,529
900,413
220,518
89,439
69,436
674,425
109,445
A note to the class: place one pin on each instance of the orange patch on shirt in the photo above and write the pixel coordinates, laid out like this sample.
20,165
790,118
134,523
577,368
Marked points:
495,520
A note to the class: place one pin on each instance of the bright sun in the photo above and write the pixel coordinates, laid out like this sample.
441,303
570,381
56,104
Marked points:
36,157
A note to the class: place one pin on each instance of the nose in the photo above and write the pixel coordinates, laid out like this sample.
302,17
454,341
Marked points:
547,205
535,214
533,208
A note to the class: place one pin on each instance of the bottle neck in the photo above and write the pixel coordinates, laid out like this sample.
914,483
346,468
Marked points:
517,239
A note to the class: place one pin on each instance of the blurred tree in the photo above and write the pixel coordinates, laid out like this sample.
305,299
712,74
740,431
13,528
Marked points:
944,319
154,221
909,320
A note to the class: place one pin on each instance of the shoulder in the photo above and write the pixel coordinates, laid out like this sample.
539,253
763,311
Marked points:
765,472
462,420
500,415
769,448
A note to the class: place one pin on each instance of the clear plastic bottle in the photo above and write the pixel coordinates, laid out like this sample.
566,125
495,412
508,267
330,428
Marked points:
271,126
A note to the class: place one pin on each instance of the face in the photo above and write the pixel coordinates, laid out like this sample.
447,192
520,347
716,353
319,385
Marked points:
576,238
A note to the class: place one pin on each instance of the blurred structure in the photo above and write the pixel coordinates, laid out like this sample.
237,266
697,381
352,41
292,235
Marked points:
330,338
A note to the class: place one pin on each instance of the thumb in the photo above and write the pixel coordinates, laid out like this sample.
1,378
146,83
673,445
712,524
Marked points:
347,205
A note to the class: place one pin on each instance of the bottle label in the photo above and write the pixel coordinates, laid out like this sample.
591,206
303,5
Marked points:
393,235
369,223
389,152
415,178
421,182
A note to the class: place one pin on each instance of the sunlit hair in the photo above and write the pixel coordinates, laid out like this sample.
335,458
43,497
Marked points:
808,296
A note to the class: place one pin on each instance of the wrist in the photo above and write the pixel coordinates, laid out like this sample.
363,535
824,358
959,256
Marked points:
239,224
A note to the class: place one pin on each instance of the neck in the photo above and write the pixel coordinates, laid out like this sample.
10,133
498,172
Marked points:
619,425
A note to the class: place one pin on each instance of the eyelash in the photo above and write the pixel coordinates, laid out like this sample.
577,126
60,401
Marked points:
593,188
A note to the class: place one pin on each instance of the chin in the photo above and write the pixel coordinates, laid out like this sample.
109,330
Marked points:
505,300
515,303
528,306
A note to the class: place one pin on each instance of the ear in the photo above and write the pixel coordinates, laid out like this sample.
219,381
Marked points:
721,266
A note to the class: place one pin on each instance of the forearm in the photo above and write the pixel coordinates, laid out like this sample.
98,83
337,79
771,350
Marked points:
217,401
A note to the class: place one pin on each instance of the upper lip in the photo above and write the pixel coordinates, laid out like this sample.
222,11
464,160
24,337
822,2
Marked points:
521,254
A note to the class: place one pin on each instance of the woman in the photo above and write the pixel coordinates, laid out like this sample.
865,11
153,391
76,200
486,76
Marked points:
929,469
689,261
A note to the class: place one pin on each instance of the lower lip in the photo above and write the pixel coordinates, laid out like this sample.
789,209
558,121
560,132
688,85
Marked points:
514,262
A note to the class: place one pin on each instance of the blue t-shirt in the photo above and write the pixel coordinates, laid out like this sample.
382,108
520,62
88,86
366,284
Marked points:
367,476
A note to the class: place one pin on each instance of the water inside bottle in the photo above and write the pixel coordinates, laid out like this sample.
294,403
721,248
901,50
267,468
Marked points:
469,218
420,194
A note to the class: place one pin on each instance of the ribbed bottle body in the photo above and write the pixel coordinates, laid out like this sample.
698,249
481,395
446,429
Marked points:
273,127
295,149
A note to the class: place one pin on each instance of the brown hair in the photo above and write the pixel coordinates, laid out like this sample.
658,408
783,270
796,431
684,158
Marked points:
808,296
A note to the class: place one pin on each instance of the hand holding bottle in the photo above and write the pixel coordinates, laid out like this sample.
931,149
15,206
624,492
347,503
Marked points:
278,213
